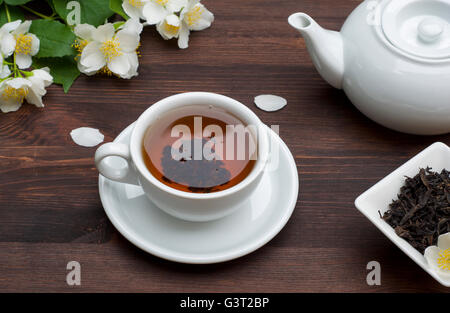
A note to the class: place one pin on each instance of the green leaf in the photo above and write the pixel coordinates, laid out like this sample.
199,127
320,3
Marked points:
116,6
16,2
14,12
93,12
56,38
118,24
64,70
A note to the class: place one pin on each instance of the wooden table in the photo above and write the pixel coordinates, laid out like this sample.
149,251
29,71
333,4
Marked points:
50,211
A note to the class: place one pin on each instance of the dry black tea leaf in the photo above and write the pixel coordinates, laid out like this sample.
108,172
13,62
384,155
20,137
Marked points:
422,211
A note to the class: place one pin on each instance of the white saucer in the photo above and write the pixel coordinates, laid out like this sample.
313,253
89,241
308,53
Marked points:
251,227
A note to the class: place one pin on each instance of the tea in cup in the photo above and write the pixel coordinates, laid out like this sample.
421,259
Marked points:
198,156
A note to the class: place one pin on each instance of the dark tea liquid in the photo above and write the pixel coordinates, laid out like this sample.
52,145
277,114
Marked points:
197,161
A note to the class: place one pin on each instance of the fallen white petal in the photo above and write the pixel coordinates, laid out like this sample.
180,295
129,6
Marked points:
270,103
87,137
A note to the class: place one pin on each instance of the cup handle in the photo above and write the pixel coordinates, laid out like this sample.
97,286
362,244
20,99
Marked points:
126,175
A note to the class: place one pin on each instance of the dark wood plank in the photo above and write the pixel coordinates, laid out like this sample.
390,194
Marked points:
50,212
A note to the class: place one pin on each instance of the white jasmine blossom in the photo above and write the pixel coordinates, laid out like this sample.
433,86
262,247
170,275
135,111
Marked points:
40,79
196,16
156,11
170,27
27,45
19,85
134,8
13,91
104,49
438,257
193,17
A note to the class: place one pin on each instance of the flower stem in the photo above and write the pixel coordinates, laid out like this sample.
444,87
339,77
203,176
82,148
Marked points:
25,73
15,71
8,16
37,13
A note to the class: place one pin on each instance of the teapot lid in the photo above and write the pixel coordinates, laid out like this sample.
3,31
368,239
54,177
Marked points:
418,27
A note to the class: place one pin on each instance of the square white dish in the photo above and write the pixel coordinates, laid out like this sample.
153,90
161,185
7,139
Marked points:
379,196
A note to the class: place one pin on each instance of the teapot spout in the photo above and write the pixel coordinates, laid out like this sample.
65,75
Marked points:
325,47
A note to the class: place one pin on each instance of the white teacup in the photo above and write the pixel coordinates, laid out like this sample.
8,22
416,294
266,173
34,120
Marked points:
185,205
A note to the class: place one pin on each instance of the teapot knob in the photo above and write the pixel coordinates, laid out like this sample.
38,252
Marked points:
430,29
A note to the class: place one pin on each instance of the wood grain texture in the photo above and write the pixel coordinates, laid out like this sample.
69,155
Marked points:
50,211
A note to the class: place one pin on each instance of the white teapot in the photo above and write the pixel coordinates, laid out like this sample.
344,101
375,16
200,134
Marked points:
392,59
